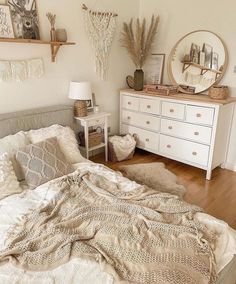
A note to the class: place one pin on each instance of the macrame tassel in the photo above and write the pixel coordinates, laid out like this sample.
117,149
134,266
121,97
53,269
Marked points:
100,28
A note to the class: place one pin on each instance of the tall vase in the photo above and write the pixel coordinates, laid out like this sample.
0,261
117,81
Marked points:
53,34
138,80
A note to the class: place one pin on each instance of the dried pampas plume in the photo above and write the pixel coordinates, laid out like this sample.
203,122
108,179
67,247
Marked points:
137,42
52,19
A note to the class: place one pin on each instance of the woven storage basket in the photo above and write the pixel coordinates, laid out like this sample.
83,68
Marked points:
95,138
219,92
112,155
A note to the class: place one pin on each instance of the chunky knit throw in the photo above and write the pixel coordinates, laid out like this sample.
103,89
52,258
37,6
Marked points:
140,236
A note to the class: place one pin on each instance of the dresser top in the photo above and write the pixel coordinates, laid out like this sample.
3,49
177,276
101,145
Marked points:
181,96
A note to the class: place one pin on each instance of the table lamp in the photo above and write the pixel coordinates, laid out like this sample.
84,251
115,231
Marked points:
81,92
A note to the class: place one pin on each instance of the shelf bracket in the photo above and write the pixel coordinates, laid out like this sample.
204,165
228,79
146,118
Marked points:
185,66
54,50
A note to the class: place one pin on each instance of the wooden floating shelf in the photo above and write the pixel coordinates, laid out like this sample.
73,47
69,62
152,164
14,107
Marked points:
203,69
55,45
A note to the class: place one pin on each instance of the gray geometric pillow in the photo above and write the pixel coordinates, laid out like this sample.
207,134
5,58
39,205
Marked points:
42,162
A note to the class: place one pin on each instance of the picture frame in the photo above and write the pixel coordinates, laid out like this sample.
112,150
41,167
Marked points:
215,61
6,24
208,50
25,18
89,104
154,69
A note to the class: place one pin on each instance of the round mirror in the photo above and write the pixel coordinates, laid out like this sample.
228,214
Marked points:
198,61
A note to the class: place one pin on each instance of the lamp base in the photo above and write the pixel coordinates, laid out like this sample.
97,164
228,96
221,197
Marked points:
80,109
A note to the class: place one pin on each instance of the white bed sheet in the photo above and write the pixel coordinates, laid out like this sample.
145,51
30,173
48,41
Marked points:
78,270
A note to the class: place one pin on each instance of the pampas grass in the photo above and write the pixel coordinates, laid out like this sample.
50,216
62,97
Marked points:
137,42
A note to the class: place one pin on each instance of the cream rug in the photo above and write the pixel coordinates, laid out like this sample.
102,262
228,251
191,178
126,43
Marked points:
154,175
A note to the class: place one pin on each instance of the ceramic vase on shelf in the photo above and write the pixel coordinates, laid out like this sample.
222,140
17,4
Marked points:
138,80
53,34
61,35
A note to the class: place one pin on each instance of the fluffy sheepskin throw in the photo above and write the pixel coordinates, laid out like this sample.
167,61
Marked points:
154,175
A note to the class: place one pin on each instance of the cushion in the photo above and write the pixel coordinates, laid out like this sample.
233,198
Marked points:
42,162
11,144
9,184
66,139
154,175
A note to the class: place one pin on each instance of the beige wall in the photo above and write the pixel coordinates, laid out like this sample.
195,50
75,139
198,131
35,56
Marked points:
73,63
181,17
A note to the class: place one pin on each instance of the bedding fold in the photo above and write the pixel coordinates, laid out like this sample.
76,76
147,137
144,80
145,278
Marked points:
140,236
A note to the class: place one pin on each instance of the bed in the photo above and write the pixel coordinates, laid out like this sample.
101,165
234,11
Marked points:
80,269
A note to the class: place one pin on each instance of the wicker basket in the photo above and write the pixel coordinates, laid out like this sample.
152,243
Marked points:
95,138
219,92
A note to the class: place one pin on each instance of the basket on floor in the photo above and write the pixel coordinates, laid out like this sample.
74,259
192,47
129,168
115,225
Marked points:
114,156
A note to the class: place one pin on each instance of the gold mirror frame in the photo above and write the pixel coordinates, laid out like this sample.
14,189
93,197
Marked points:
169,66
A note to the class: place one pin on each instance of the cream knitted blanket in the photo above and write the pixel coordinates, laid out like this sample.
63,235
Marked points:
140,236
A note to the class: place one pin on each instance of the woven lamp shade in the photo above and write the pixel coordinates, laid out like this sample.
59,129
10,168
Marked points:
81,92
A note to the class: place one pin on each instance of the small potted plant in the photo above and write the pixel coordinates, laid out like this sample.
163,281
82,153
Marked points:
138,43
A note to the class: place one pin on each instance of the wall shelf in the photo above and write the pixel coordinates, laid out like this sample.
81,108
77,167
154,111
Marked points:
55,45
203,69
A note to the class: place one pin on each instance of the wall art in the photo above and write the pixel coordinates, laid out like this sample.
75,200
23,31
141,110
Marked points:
6,27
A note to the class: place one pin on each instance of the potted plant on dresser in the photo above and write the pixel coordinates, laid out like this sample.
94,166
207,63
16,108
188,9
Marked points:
139,41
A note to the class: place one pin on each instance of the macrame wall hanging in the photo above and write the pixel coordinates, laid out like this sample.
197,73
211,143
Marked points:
100,27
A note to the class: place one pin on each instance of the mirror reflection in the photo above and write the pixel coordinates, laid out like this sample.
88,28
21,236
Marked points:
197,61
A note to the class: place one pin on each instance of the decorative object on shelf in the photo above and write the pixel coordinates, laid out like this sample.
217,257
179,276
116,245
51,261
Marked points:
82,93
61,35
139,44
164,90
6,26
100,27
154,69
130,81
188,89
20,70
184,69
25,19
219,92
122,148
52,20
207,49
96,109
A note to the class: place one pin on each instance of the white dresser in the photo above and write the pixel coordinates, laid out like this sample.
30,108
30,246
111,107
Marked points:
191,129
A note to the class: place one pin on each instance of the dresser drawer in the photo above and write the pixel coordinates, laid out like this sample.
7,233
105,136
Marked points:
200,115
141,120
129,102
147,140
150,106
197,133
184,150
173,110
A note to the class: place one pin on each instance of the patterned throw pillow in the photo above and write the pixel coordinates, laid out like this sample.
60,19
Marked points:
8,180
42,162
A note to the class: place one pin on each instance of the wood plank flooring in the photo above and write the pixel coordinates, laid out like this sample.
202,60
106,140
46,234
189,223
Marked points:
217,197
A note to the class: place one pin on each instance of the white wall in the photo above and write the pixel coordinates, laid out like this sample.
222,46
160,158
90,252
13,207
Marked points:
178,18
73,62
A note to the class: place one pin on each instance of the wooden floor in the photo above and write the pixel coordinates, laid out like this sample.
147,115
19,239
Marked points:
217,197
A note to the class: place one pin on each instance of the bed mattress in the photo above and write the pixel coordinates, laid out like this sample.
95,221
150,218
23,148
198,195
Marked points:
84,271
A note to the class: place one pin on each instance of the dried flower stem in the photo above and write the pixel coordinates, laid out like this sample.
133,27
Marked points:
137,43
52,19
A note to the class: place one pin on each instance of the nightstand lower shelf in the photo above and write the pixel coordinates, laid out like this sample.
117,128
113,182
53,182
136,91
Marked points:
94,148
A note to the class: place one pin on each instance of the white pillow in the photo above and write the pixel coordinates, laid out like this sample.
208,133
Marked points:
9,184
65,137
10,145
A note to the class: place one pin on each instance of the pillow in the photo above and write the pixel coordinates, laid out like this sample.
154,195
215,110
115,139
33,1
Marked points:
9,184
65,137
11,144
42,162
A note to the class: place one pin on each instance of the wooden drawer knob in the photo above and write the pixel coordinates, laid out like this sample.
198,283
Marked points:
147,140
196,133
129,103
168,146
170,127
194,153
198,115
172,110
128,117
148,122
148,106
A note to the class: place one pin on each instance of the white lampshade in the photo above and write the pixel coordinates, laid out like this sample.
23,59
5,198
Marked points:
80,91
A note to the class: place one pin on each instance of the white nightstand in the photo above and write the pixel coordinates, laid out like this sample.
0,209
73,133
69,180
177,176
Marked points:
93,120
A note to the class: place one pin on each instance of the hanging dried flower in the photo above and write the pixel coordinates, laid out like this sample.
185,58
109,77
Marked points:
137,43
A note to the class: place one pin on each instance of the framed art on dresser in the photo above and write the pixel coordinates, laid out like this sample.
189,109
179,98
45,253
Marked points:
154,69
6,26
